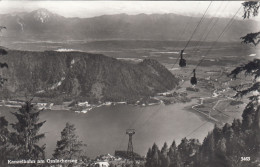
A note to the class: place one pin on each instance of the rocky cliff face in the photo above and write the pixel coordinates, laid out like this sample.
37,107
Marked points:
53,74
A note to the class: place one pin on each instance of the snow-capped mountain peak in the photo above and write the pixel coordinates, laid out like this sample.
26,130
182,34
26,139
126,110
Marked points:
42,15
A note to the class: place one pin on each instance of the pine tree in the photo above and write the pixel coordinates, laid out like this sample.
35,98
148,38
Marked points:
217,133
208,149
155,161
164,157
6,150
174,156
26,135
69,147
184,151
251,9
4,132
2,52
228,133
173,145
5,146
148,158
236,126
164,149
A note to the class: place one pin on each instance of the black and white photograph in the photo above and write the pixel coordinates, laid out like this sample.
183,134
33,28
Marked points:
129,83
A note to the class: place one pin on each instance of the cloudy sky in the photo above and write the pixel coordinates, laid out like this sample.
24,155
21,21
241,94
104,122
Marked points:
85,9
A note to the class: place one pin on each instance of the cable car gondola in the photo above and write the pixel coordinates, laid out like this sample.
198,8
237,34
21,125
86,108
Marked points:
182,62
193,80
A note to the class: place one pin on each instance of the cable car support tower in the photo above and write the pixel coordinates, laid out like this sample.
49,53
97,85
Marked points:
130,150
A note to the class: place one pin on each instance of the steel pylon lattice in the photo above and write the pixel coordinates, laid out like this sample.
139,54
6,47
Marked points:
130,149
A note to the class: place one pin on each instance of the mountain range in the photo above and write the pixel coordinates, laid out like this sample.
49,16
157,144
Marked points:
42,24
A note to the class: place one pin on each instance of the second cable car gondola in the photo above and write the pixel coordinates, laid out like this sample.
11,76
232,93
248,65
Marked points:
193,80
182,62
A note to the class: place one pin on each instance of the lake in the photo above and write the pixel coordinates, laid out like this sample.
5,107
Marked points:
103,129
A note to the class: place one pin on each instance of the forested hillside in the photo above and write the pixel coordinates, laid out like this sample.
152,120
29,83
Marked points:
83,75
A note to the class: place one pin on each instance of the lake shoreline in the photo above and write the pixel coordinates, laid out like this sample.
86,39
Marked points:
203,115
